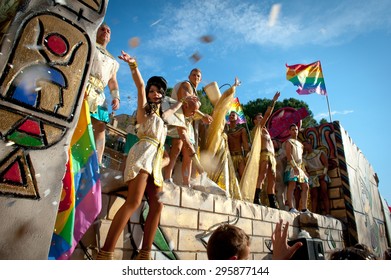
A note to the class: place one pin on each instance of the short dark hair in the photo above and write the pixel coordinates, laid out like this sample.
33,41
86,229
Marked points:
387,254
195,69
257,114
227,241
356,252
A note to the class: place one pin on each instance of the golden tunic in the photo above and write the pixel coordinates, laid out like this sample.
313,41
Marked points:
216,148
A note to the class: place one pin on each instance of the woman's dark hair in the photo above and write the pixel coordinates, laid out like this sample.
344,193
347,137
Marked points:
161,84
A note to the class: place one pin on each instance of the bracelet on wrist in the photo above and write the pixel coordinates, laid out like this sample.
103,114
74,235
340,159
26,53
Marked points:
132,65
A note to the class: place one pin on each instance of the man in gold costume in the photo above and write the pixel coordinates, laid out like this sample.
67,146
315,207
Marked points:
238,143
267,165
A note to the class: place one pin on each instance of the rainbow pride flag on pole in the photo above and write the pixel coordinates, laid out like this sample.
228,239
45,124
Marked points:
81,194
308,77
235,106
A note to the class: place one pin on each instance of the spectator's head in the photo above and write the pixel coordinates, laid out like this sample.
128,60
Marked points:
356,252
228,242
387,254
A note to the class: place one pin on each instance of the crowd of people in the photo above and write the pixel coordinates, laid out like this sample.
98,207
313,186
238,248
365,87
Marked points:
230,242
168,123
292,171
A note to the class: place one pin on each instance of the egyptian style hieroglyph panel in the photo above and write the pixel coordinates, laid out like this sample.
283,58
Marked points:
365,206
50,78
44,64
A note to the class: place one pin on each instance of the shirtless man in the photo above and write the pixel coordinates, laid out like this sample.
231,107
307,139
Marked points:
237,143
181,91
267,165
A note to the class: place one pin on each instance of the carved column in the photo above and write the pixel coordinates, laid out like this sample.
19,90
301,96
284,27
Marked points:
44,64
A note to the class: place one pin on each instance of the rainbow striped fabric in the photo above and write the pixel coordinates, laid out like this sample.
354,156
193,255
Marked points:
235,106
308,77
81,194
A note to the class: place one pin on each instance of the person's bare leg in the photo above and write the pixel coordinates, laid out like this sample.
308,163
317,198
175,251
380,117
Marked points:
280,194
271,180
314,199
136,188
165,160
289,193
186,166
324,195
153,218
261,179
304,195
241,167
176,147
99,129
297,194
271,187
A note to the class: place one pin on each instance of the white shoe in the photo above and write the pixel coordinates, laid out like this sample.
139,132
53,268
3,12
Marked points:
293,210
169,181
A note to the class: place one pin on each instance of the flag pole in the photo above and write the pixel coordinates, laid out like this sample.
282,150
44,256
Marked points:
328,105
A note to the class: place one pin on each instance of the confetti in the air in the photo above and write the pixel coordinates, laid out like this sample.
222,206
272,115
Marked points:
156,22
134,42
195,57
207,39
273,16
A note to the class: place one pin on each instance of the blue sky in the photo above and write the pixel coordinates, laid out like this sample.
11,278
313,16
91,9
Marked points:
351,38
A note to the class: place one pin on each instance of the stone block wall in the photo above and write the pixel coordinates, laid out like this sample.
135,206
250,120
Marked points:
190,216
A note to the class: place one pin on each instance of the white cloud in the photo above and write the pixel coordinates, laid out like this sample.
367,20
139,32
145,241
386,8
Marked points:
273,16
326,115
236,23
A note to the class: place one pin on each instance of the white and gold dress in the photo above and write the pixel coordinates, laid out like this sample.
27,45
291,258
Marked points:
147,153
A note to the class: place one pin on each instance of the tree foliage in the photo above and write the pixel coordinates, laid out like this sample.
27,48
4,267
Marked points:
260,106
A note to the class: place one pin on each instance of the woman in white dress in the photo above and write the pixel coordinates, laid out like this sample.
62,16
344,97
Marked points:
143,172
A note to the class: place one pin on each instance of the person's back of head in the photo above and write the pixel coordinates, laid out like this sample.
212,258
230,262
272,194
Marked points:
357,252
387,254
228,242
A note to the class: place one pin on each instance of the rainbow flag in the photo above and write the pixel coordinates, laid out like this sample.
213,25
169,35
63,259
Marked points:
81,194
235,106
308,77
